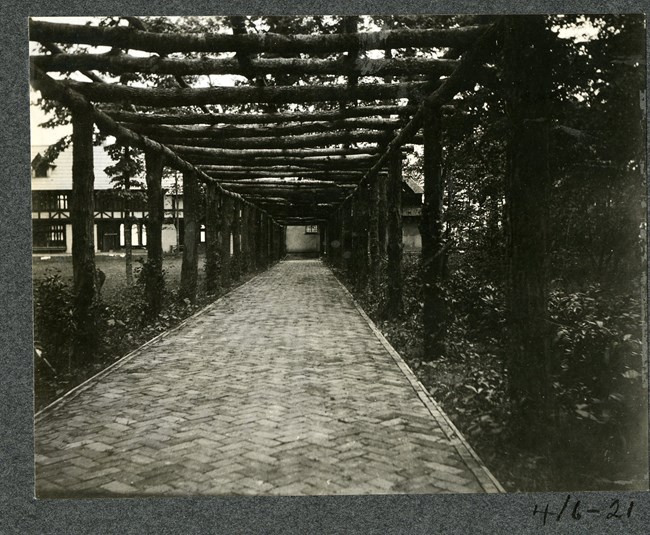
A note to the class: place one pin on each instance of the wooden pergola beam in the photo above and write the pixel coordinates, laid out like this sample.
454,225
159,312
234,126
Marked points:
348,176
163,97
122,64
261,118
166,43
335,163
220,132
286,169
273,153
288,142
323,187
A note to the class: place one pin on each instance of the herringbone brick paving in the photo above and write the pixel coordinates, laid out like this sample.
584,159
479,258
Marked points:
281,387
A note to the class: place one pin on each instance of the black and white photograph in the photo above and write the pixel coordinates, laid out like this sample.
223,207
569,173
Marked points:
326,255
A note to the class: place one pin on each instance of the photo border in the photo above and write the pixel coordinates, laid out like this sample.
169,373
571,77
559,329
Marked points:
21,513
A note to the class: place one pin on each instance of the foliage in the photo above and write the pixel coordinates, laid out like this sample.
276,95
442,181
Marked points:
53,319
151,277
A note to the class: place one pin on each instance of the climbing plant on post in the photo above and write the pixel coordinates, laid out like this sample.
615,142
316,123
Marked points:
82,211
434,313
153,269
189,266
212,245
528,78
394,236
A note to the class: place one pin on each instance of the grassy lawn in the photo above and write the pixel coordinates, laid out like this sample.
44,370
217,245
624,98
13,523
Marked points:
115,270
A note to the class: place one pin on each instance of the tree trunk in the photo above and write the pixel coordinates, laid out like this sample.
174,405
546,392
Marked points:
394,240
82,211
154,281
434,311
189,266
212,241
528,76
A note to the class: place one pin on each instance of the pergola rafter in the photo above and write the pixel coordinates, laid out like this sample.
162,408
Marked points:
166,43
302,153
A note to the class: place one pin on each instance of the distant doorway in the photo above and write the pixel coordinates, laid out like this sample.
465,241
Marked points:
303,240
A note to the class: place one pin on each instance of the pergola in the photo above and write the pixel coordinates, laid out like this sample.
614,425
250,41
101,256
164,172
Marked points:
337,162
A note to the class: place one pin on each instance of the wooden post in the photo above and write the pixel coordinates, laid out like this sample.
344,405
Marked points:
259,247
82,211
528,82
154,280
267,241
245,239
252,233
382,222
236,266
394,239
190,263
212,241
227,212
373,234
433,252
347,211
362,235
270,240
338,251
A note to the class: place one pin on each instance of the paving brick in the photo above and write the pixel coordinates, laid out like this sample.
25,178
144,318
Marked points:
280,388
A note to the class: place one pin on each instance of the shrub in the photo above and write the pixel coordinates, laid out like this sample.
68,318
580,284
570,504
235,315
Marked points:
53,320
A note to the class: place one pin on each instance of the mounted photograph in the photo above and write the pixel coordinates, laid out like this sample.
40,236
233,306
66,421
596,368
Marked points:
325,255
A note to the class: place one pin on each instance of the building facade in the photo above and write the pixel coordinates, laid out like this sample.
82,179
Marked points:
52,228
51,190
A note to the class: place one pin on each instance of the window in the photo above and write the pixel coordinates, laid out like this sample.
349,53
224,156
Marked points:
311,229
57,234
62,201
41,167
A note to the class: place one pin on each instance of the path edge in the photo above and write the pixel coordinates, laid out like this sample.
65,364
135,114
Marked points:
92,380
486,479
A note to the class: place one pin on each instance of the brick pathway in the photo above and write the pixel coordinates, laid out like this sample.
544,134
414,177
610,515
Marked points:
281,387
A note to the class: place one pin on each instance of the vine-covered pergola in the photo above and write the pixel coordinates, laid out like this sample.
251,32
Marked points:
337,164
